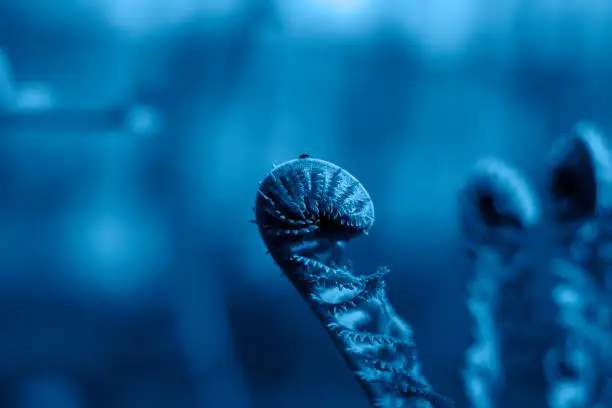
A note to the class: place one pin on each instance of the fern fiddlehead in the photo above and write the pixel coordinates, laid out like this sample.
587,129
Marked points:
581,196
497,207
306,210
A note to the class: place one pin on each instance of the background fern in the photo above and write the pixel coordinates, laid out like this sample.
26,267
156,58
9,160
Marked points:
498,209
580,177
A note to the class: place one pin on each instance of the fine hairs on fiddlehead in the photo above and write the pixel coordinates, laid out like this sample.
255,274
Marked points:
497,209
580,191
306,210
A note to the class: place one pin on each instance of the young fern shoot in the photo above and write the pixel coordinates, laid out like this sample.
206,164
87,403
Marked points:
580,368
306,210
497,208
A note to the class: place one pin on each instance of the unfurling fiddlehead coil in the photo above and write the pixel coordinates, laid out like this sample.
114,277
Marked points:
581,193
497,207
306,210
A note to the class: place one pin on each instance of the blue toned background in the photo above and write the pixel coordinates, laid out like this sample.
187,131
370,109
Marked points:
132,137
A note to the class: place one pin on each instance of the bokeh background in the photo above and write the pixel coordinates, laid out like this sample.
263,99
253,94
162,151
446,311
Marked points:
132,137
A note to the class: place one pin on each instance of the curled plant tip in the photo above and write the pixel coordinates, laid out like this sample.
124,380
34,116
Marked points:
580,174
580,190
306,210
309,206
496,202
497,206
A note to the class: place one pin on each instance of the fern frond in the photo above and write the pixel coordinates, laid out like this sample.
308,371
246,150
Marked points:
306,209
